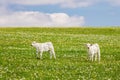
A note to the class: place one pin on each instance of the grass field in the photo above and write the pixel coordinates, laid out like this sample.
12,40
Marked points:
18,62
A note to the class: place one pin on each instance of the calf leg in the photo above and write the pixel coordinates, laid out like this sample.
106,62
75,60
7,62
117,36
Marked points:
92,56
41,55
95,57
37,54
52,53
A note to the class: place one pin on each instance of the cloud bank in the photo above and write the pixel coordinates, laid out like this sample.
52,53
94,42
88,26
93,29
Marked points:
62,3
41,19
33,18
114,2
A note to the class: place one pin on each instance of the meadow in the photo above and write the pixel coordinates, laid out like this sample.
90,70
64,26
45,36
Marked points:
18,61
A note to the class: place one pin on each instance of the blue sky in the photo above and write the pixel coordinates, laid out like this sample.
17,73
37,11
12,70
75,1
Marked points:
62,13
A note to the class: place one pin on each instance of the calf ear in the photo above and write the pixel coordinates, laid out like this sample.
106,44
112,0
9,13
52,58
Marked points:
34,41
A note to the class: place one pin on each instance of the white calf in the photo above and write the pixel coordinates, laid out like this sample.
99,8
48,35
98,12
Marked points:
93,51
41,47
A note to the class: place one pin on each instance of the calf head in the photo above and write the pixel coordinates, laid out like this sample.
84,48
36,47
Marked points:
33,43
88,45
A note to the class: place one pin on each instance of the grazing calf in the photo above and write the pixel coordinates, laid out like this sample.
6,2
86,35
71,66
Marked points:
41,47
93,51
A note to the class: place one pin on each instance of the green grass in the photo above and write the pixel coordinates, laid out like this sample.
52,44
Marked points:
18,62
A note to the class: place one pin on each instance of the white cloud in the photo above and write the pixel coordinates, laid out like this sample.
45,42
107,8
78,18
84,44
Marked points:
37,2
3,7
9,18
114,2
62,3
40,19
62,19
65,3
78,3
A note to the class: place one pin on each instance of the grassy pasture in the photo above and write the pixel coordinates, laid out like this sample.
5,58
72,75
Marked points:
18,62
